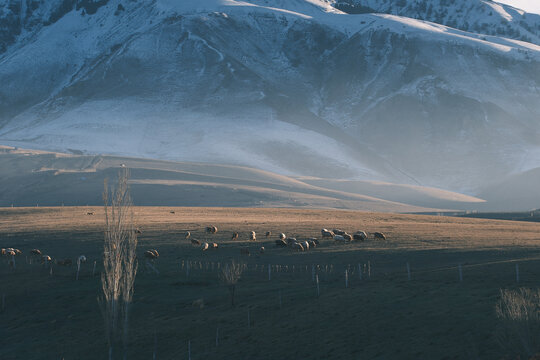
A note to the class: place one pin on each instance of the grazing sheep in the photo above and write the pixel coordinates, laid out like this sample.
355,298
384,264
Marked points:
17,252
268,233
65,262
81,259
172,212
297,246
214,245
261,250
10,253
339,232
252,236
281,243
339,238
3,252
244,251
234,236
360,236
291,241
151,254
315,240
327,233
195,242
90,213
187,235
46,259
379,235
35,252
205,246
282,236
305,244
211,229
347,237
312,243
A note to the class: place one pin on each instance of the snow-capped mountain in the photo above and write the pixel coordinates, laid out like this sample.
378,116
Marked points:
478,16
294,86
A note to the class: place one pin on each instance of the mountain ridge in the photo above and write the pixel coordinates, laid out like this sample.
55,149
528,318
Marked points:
368,97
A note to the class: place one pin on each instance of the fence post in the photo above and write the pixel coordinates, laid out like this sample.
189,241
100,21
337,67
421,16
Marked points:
94,269
269,273
217,337
189,349
408,272
78,268
318,288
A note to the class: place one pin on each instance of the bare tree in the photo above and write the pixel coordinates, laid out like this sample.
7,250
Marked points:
230,275
119,262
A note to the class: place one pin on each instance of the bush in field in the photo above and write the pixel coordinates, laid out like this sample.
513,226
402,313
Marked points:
119,262
519,313
230,275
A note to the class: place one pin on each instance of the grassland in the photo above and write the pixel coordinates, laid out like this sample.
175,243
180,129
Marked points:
384,316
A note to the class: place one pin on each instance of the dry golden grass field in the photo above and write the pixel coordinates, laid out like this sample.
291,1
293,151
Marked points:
380,315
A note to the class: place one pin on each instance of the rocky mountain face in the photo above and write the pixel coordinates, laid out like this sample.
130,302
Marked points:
293,86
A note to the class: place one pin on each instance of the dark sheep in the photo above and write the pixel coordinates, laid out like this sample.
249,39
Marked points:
281,243
291,241
327,233
297,246
268,233
338,232
234,236
35,252
359,236
195,242
379,235
211,229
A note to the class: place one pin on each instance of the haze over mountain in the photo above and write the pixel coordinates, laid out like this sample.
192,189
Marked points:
296,87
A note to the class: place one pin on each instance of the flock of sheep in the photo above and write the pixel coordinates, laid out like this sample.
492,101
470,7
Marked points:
337,235
36,254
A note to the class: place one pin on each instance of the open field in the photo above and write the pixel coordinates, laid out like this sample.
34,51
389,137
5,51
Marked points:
381,315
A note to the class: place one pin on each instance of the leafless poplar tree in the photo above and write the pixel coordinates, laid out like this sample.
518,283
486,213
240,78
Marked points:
119,262
230,275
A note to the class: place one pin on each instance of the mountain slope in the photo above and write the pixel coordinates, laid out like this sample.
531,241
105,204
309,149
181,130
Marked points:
51,179
477,16
295,87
